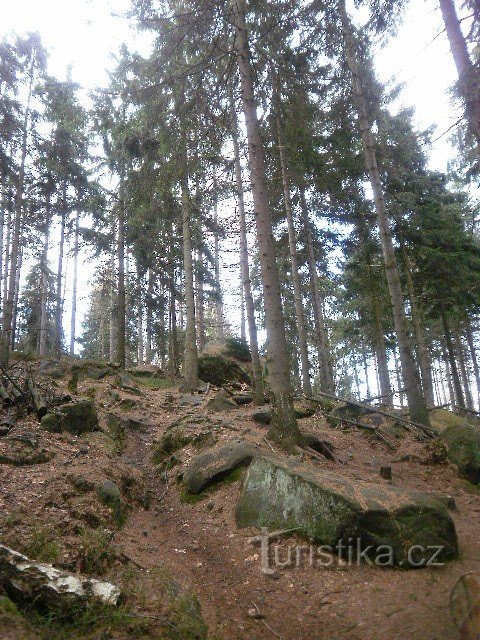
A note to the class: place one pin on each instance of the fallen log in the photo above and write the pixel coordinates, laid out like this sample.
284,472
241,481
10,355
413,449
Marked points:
55,589
374,430
5,396
429,431
472,411
38,400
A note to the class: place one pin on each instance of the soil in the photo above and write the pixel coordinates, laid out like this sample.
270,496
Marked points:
197,541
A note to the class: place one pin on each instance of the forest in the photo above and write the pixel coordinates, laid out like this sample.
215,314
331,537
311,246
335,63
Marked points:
248,192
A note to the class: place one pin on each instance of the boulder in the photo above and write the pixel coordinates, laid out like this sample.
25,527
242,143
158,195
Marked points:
74,417
329,508
216,464
221,401
56,590
243,398
219,370
148,371
463,450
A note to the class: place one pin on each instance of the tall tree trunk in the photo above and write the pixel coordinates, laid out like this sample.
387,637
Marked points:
173,342
451,359
113,302
191,354
451,392
121,296
149,327
59,289
243,319
140,345
42,348
17,294
219,319
7,260
473,356
284,428
399,378
463,370
321,335
200,301
365,369
468,73
418,324
3,212
258,386
382,358
292,244
416,401
9,298
73,318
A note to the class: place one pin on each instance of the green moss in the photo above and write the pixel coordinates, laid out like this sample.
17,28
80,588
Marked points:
170,442
190,498
154,384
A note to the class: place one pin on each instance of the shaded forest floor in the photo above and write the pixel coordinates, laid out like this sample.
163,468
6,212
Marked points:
167,550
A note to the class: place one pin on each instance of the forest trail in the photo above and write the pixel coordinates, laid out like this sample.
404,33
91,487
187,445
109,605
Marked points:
196,541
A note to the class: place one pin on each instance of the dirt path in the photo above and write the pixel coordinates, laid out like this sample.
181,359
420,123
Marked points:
201,546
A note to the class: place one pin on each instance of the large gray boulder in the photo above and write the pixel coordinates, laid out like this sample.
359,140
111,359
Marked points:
329,508
57,590
216,464
463,449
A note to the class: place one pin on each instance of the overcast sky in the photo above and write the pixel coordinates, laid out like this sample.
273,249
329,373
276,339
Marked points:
85,33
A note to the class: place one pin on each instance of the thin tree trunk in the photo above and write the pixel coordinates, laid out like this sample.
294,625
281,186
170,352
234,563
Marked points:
113,302
42,348
399,378
243,320
219,320
321,335
59,289
473,356
200,301
17,294
7,261
258,386
448,372
382,358
121,295
4,209
365,370
283,429
140,344
173,342
416,401
191,354
417,321
73,318
297,285
463,370
9,299
451,358
468,74
149,327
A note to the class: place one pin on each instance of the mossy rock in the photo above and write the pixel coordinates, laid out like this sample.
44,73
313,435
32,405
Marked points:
110,495
463,448
216,464
221,371
441,419
329,508
221,401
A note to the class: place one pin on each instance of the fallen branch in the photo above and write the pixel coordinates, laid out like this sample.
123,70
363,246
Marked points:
372,429
429,431
472,411
38,400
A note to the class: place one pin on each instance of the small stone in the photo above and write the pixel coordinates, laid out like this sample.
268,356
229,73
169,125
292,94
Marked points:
255,613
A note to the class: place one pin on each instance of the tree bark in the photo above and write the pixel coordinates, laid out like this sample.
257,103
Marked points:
73,318
418,324
113,301
149,327
473,355
463,370
258,386
140,345
292,244
9,299
321,335
284,429
191,354
42,348
121,300
451,359
59,288
200,301
468,74
172,319
416,401
219,320
382,358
